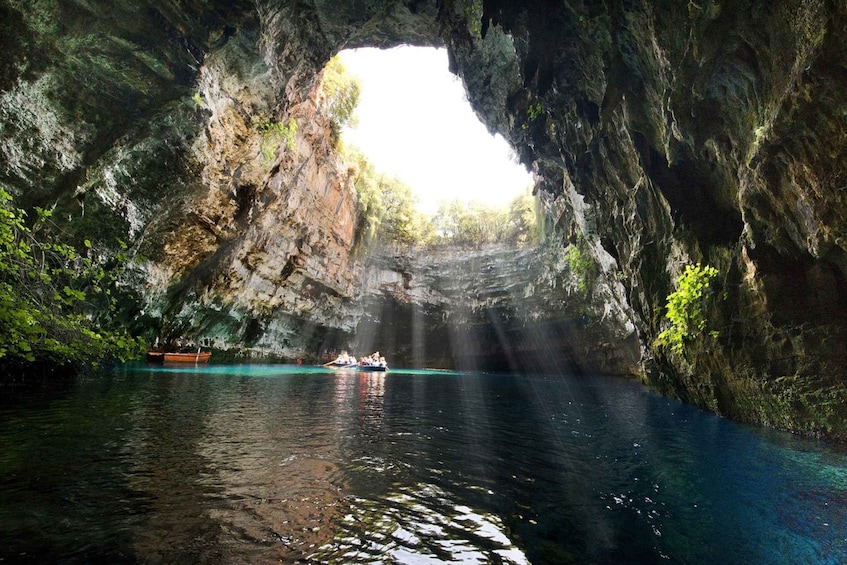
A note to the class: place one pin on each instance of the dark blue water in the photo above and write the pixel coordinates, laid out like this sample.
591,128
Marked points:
269,464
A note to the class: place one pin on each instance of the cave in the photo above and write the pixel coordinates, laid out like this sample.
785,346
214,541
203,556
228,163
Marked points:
196,135
183,156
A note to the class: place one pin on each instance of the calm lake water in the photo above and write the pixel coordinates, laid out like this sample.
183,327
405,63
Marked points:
269,464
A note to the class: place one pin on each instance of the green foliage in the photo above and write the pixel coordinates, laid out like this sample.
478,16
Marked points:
476,224
198,100
388,214
273,133
534,111
387,207
581,264
685,307
341,96
522,223
473,14
55,302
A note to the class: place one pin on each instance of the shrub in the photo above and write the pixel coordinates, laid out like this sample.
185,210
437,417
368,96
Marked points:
387,207
476,224
275,132
685,307
581,265
340,96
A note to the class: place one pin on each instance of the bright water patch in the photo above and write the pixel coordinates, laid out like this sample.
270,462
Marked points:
268,463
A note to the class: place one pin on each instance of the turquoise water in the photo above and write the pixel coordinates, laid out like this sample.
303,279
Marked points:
267,463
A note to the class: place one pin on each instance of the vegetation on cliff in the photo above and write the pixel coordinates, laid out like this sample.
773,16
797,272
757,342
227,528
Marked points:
340,93
581,265
388,212
475,224
57,305
387,207
274,134
685,307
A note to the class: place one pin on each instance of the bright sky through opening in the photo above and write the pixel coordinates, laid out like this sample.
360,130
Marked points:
415,123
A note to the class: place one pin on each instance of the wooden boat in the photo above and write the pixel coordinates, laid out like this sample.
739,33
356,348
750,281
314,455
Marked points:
160,357
339,365
155,357
373,368
187,357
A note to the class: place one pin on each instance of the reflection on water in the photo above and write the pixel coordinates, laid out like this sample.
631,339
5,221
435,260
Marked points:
419,524
261,464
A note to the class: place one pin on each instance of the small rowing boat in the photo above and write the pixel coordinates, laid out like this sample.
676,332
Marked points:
373,368
339,365
160,357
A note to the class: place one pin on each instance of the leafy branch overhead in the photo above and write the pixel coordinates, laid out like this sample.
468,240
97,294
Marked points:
56,303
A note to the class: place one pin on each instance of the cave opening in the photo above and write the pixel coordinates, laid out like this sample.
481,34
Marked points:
414,122
465,294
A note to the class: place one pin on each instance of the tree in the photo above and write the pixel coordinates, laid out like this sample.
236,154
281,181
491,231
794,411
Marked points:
475,224
387,207
522,224
340,96
56,303
402,222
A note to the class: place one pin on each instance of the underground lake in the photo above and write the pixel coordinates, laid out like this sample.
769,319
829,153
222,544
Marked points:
270,463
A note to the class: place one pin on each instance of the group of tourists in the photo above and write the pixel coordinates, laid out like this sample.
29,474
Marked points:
372,360
344,359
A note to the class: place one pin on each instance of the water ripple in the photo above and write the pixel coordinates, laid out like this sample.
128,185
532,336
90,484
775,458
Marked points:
418,524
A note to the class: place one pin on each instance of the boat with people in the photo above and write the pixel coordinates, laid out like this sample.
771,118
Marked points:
373,362
338,365
373,368
343,361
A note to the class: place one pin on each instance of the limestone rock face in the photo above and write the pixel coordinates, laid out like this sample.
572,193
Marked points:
495,309
711,132
661,133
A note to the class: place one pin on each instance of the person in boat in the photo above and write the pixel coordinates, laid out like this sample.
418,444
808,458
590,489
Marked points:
373,360
342,359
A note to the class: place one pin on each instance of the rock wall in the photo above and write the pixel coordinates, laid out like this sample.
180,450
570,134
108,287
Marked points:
155,125
663,133
494,309
709,132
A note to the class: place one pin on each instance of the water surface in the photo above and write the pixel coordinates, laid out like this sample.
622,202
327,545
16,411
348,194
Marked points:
261,464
